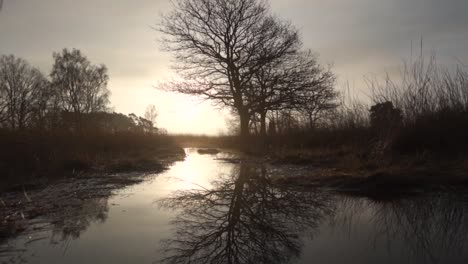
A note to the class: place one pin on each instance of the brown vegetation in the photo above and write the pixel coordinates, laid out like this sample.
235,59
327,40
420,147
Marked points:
32,154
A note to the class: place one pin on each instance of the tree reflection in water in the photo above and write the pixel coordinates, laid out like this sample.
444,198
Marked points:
67,224
242,218
435,227
76,220
432,228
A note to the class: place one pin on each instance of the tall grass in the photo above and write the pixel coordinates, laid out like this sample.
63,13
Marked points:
424,87
32,154
433,100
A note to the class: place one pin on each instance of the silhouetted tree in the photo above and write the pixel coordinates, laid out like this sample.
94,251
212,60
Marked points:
141,124
221,45
317,96
286,121
296,82
272,127
81,86
146,125
23,92
151,114
101,121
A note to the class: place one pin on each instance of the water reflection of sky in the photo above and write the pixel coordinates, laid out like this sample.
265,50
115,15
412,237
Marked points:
205,210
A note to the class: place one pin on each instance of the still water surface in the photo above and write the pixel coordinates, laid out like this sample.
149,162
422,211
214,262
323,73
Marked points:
206,210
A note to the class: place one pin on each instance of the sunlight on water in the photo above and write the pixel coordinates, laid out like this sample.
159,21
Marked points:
194,170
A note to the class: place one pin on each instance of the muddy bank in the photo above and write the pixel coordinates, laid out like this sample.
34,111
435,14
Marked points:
378,181
32,206
208,151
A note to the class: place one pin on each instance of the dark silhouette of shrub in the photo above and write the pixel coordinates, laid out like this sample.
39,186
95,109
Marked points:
384,116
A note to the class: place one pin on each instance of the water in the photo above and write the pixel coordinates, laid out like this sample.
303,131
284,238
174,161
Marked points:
205,210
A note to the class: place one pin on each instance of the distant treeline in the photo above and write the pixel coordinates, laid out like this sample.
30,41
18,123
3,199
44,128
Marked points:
74,97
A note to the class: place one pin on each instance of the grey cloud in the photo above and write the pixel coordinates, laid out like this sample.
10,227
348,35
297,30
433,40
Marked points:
362,36
343,31
108,31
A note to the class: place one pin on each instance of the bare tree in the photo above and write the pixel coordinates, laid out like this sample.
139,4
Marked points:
22,92
151,114
285,121
294,83
220,45
316,95
81,86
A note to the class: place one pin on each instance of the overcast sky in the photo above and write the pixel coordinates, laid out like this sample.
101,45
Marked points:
358,37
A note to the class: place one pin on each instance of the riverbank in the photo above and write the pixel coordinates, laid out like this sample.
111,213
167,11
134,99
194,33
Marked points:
383,178
37,203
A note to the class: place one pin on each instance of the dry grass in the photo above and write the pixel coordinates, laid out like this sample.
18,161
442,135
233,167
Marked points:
34,154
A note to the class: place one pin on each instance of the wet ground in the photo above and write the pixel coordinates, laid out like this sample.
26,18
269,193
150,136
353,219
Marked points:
214,208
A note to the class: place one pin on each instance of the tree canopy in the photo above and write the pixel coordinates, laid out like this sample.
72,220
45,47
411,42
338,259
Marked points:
22,90
81,86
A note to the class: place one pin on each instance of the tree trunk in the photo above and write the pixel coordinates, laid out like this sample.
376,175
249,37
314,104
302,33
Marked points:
263,124
244,123
272,127
311,122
